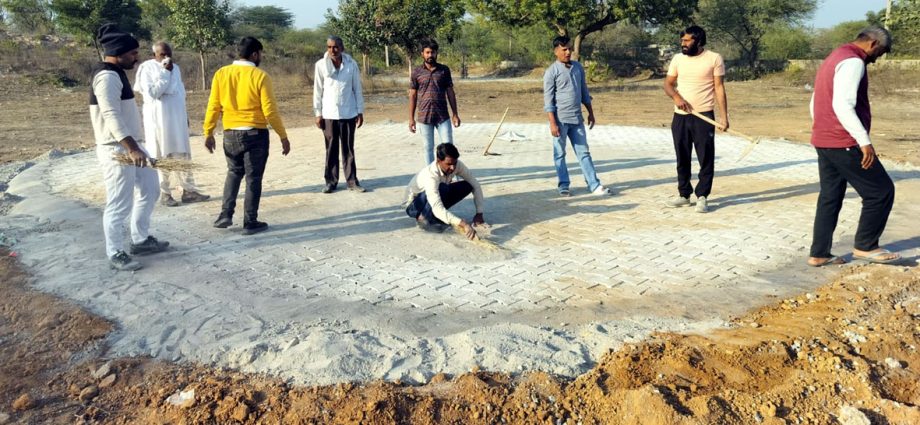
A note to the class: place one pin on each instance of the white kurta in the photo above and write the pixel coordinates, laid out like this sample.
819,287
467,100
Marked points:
165,115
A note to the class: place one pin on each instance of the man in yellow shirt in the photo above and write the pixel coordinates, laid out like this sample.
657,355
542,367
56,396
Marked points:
241,94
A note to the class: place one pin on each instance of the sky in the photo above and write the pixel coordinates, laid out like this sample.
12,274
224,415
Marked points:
311,13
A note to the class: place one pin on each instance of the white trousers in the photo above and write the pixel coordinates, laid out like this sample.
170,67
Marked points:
185,178
120,199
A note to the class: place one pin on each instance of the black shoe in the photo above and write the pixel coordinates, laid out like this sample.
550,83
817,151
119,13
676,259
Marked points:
254,227
329,188
149,246
121,261
356,188
223,222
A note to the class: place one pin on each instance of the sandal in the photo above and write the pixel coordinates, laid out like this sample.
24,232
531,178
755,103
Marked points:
832,261
876,257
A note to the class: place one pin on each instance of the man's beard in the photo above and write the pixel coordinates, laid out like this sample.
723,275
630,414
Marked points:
257,62
431,60
691,50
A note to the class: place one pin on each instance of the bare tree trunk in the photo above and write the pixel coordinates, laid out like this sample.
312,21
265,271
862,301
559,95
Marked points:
888,15
98,52
204,80
576,48
364,63
386,54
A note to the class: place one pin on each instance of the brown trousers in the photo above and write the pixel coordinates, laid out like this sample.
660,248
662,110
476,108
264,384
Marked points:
340,133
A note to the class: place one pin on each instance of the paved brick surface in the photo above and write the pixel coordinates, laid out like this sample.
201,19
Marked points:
355,261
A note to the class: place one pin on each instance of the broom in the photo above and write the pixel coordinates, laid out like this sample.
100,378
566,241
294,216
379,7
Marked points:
747,150
163,164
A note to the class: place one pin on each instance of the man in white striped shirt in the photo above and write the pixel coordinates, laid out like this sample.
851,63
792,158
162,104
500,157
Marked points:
432,192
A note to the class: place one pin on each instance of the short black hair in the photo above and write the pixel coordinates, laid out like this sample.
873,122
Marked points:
429,44
445,150
560,41
248,46
698,34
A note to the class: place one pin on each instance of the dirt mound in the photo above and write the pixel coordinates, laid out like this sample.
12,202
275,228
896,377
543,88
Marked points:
845,354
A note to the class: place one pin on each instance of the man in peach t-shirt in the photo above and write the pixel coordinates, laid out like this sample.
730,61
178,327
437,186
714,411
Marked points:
695,83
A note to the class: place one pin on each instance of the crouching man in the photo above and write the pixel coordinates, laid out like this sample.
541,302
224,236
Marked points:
432,192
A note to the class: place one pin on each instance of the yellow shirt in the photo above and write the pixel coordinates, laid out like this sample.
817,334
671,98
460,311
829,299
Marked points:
242,94
696,79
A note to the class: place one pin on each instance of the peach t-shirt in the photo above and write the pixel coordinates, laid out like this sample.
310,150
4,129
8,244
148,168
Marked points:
695,79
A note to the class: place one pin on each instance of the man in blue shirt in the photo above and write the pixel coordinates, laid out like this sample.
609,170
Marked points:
564,91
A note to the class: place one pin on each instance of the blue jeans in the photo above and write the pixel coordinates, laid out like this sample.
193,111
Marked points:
445,133
575,133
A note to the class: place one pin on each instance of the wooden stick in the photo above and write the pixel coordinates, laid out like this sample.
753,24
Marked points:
486,152
729,131
747,150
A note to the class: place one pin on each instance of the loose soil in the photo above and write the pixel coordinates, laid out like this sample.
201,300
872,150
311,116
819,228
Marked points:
844,353
849,349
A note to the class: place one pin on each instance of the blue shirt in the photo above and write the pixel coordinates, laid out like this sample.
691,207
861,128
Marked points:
564,91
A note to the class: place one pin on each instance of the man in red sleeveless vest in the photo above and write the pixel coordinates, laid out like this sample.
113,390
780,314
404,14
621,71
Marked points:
840,135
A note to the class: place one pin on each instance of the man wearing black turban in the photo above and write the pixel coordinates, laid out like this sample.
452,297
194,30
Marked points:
117,128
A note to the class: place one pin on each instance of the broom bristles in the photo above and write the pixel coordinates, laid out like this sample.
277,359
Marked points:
164,164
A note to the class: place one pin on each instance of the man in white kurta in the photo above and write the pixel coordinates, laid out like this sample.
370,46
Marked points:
159,81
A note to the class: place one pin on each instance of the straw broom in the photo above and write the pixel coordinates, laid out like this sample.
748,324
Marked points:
163,164
485,243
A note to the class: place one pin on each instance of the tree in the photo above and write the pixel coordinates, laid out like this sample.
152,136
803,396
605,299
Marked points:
262,22
827,40
744,23
404,22
905,26
580,18
155,17
201,25
356,23
82,18
786,42
27,16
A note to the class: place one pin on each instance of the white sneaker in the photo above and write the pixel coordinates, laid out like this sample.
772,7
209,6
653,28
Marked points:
677,202
602,191
702,205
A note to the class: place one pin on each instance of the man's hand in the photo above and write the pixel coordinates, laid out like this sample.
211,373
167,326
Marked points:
456,120
554,129
209,144
138,157
723,123
412,125
320,123
478,220
285,146
591,121
868,159
468,230
360,120
681,103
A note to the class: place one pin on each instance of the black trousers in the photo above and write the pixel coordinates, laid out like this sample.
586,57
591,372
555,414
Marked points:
836,168
340,133
691,133
450,195
247,154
